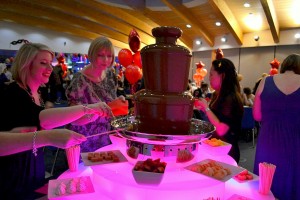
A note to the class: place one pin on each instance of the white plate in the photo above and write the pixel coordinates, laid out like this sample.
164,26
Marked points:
234,170
53,184
238,197
87,162
255,177
216,150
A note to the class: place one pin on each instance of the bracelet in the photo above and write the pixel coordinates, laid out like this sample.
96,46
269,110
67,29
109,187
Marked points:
88,116
34,149
85,109
207,109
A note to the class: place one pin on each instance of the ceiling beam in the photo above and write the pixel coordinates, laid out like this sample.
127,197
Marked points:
51,25
269,9
141,26
92,13
140,23
140,8
177,7
221,7
57,16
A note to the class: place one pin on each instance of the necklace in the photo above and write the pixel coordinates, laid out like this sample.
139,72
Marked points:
28,90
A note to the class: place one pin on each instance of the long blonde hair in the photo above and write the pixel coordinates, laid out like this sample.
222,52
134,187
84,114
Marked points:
22,62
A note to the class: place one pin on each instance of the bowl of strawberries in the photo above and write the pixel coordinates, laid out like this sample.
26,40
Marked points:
149,172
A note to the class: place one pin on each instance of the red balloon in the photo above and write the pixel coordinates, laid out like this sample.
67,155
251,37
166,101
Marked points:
275,63
137,59
134,41
64,74
64,67
133,73
273,71
200,64
61,59
198,70
203,72
197,77
125,57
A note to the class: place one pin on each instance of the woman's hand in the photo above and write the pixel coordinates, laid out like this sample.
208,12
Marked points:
201,104
63,138
100,109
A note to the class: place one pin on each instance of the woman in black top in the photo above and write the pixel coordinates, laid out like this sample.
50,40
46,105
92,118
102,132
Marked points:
225,110
22,173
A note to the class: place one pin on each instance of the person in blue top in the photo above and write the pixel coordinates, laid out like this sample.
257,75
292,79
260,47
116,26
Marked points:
276,107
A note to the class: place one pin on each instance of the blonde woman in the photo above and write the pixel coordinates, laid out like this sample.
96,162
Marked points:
96,82
22,106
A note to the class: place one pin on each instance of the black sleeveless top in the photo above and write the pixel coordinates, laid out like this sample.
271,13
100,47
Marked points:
21,173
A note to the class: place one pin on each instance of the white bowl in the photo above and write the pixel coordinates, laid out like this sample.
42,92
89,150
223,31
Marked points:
216,150
147,178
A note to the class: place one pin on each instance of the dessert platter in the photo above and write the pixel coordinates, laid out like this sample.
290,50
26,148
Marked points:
161,143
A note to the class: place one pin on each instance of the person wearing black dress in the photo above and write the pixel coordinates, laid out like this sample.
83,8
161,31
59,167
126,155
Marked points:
225,110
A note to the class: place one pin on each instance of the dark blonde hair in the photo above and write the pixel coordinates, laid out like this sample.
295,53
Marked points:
291,63
22,62
98,44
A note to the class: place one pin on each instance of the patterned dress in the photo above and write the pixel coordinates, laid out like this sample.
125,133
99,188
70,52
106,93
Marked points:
279,139
83,91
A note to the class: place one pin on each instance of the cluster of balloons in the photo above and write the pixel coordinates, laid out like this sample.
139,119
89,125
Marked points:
274,67
200,73
132,61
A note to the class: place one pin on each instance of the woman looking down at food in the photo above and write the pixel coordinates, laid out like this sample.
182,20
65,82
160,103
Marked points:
225,110
96,83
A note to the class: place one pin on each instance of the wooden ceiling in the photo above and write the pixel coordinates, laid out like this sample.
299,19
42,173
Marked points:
116,18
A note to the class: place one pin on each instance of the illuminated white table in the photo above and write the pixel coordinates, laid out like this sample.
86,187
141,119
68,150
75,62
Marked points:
115,181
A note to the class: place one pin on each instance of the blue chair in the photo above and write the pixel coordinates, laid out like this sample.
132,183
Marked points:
248,123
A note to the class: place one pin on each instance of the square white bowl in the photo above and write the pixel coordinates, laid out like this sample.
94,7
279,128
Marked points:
147,178
216,150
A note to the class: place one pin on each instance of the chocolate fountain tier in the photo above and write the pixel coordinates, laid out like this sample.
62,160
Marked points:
165,64
166,113
127,127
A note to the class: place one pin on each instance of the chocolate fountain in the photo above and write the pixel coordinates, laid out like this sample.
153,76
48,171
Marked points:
163,111
163,107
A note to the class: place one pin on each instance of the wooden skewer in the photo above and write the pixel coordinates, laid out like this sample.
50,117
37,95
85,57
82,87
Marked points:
104,133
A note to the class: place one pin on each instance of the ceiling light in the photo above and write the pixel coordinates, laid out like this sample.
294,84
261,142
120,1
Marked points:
218,23
253,21
198,42
224,39
297,35
188,26
256,38
247,5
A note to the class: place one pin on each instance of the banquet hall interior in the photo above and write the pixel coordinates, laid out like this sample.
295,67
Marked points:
254,34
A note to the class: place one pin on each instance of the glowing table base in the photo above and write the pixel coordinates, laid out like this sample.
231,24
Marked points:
115,181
